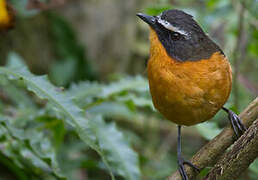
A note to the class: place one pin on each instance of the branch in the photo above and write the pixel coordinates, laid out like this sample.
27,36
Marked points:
238,159
237,54
210,153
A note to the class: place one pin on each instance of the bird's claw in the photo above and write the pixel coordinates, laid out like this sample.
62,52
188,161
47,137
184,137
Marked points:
238,127
181,168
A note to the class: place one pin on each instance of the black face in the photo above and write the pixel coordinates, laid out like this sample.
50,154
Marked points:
181,36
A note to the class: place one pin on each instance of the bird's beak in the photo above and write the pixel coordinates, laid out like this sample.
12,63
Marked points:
146,18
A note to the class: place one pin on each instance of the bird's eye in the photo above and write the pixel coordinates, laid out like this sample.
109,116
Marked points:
175,36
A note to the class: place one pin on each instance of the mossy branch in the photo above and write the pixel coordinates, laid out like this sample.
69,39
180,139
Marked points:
209,154
238,159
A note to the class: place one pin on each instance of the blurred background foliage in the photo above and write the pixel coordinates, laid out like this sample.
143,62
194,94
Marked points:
93,118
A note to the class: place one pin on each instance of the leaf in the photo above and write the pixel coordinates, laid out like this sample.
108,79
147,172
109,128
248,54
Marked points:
254,167
157,9
73,63
32,145
137,83
62,72
139,101
63,105
133,90
93,89
117,150
17,95
91,132
111,109
84,90
204,172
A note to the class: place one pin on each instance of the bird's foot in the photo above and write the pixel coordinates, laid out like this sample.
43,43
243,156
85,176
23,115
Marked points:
238,127
181,162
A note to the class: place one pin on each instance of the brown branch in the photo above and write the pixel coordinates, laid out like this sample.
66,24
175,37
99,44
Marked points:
238,54
238,159
252,87
210,153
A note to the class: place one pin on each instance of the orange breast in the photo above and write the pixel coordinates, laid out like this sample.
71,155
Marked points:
188,92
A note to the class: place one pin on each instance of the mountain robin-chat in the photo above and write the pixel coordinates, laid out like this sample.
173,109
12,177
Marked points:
189,76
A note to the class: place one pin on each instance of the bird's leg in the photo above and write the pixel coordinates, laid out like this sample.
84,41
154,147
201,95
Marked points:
180,160
238,127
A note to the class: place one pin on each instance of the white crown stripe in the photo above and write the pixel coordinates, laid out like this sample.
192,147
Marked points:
167,25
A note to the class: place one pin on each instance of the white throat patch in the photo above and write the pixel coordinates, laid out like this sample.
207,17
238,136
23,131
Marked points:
170,27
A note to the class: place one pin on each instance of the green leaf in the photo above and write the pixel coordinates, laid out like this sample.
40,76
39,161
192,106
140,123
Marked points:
138,84
32,145
91,132
17,95
73,62
112,109
133,89
254,167
157,9
84,90
63,105
139,101
204,172
62,72
117,150
93,89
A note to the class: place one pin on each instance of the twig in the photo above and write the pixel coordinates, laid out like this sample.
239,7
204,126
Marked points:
236,54
252,87
251,18
210,153
238,159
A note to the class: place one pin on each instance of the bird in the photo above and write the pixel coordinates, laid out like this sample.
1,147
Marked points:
190,78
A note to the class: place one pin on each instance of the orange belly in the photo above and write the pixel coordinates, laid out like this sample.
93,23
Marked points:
187,92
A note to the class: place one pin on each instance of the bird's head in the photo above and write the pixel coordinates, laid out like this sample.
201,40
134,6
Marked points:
181,36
